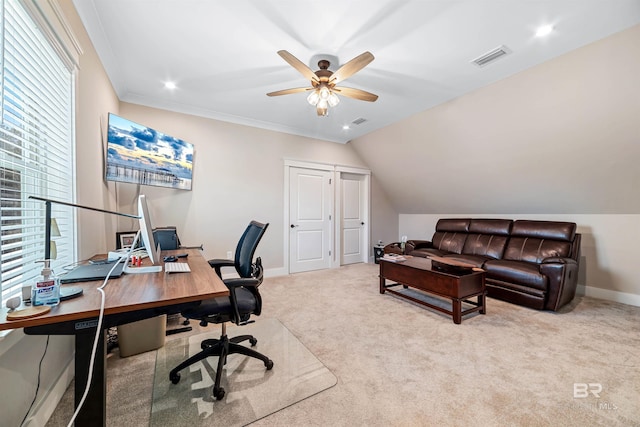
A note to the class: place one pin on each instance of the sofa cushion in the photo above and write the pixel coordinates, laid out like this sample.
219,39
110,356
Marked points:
488,245
426,252
450,235
449,241
455,225
518,272
535,250
554,230
501,227
476,260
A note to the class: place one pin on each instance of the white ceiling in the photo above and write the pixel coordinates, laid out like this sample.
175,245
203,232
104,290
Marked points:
222,54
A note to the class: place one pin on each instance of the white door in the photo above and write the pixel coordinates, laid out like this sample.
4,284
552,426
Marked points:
353,219
310,207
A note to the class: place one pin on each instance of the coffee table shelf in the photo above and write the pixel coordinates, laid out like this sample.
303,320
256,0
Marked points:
419,273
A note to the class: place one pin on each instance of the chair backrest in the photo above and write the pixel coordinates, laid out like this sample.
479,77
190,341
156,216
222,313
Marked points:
247,247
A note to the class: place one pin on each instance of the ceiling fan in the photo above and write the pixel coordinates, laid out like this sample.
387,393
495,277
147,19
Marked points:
323,82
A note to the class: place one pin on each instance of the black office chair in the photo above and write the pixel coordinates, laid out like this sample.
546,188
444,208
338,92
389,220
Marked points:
243,301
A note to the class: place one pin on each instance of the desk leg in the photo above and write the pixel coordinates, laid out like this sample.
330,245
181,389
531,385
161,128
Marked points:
94,410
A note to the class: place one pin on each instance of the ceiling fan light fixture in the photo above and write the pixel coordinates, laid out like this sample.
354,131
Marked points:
313,98
333,100
322,104
324,92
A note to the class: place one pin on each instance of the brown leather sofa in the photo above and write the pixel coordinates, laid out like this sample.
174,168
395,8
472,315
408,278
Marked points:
530,263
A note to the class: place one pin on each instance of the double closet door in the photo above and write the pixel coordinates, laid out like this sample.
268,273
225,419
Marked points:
327,218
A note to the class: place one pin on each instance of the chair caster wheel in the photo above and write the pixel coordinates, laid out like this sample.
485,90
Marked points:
269,364
175,378
206,344
253,341
218,393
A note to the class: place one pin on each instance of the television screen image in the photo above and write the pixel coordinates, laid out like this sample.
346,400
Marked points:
141,155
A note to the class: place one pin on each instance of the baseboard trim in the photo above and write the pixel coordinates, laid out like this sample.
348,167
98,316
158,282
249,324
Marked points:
609,295
48,403
275,272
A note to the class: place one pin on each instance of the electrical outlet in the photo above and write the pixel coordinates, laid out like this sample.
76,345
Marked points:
229,254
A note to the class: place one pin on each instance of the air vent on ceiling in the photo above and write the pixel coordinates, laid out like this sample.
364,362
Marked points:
359,121
491,56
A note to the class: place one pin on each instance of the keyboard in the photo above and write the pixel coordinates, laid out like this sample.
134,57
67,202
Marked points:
176,267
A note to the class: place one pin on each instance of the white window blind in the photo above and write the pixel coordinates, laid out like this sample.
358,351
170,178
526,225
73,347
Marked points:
36,148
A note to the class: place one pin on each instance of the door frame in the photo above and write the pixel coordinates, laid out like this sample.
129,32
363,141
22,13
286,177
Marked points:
336,204
366,214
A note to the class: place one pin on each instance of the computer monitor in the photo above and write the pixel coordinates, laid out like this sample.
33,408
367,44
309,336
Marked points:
146,231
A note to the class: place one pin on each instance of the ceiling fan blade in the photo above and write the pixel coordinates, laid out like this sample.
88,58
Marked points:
356,93
352,67
288,91
298,65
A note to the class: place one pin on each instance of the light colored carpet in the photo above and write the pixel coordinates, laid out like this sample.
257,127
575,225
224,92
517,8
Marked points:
399,364
252,392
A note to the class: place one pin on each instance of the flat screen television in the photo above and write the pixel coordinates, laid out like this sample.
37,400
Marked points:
141,155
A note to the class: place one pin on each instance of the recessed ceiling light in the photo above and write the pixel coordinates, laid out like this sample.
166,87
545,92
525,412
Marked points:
345,127
170,85
544,30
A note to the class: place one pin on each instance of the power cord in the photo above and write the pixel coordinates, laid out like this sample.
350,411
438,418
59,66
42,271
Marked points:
95,341
38,384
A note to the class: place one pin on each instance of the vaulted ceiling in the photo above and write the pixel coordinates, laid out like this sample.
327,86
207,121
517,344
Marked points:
222,57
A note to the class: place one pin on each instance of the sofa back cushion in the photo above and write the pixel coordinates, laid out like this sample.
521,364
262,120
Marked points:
555,230
533,241
450,235
488,237
501,227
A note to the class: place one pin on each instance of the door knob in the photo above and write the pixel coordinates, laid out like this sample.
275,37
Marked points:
293,226
362,223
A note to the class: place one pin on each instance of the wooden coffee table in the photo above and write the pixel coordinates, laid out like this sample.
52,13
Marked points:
419,273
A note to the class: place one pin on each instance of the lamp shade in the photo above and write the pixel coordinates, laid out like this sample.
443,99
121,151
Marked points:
55,231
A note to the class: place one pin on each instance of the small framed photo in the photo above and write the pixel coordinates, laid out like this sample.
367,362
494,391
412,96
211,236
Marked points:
124,239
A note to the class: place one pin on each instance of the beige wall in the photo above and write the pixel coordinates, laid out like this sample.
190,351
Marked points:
94,97
238,176
558,138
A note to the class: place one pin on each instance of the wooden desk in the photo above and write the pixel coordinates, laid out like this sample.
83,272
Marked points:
130,298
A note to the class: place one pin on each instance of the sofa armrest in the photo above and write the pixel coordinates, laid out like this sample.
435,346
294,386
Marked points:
412,245
393,248
558,260
563,281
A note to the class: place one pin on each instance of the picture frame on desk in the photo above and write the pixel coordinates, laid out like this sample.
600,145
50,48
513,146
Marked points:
124,239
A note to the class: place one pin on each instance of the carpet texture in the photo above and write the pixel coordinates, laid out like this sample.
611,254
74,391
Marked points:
400,364
252,392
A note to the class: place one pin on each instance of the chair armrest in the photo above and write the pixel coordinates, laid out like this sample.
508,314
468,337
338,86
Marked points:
248,282
217,264
251,284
